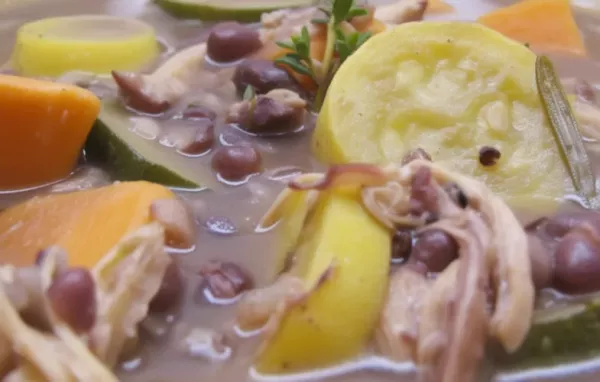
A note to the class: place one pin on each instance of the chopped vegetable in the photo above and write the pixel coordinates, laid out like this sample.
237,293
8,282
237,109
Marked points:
448,88
43,126
215,10
439,7
546,25
86,223
51,47
344,255
559,335
132,156
564,126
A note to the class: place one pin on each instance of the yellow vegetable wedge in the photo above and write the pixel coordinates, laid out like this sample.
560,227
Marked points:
90,43
337,320
450,88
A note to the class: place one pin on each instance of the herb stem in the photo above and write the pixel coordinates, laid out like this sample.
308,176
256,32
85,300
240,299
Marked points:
329,49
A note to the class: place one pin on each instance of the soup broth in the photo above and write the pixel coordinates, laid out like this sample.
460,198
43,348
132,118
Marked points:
227,212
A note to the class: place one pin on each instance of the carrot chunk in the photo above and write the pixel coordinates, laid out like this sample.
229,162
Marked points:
43,126
546,25
439,7
87,224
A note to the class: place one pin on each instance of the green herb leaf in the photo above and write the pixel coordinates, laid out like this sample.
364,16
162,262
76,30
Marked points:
352,39
305,34
249,93
355,12
340,10
566,131
319,21
344,51
296,39
296,66
285,45
362,38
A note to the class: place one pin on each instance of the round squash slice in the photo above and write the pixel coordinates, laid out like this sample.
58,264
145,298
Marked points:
453,89
97,44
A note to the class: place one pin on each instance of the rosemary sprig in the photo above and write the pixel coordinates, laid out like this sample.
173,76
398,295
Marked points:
338,47
566,131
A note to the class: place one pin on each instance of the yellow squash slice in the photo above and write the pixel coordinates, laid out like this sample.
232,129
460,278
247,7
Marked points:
338,319
450,88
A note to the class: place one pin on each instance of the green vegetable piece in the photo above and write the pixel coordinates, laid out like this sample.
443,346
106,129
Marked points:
130,157
559,335
566,131
215,10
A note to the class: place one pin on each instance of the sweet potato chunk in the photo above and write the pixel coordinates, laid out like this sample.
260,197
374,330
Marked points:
87,224
546,25
43,126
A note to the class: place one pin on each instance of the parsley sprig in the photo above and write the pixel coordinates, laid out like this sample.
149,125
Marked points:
338,47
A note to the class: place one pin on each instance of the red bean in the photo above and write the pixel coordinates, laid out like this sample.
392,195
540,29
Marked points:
202,141
272,116
585,92
557,226
263,76
234,163
542,263
171,290
578,262
423,196
434,248
72,296
225,279
231,41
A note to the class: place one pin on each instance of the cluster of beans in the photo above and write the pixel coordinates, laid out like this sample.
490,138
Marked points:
228,42
565,251
434,249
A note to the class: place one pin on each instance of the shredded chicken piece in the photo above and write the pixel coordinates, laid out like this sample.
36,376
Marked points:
398,328
264,306
127,279
401,11
282,24
287,97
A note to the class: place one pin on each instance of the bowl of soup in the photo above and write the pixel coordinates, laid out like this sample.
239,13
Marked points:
299,191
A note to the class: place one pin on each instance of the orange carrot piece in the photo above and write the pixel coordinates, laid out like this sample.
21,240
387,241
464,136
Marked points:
546,25
43,126
439,7
87,224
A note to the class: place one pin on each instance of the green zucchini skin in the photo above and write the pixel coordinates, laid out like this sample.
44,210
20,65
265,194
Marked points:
213,12
124,161
574,336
